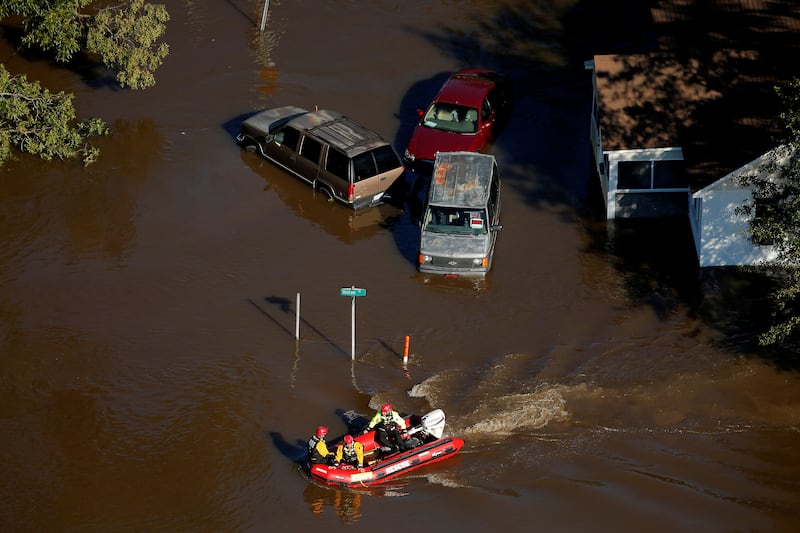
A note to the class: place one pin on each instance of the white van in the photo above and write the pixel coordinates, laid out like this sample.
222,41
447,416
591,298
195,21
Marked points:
461,217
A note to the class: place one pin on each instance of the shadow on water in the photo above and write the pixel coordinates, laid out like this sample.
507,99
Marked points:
284,305
231,127
656,261
92,72
248,14
735,301
418,96
296,451
269,316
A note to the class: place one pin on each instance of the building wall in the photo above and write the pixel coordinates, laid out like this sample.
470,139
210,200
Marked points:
724,238
648,198
721,235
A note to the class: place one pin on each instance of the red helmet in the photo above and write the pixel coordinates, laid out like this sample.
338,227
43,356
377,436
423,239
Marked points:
348,439
321,432
386,408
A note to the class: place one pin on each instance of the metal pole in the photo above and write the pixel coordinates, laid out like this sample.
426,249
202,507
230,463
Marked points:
297,319
353,329
264,15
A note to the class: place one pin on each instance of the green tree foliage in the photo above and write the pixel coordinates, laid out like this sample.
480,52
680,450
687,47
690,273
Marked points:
776,206
126,37
123,34
38,122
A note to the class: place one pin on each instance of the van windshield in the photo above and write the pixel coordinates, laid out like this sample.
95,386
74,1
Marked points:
455,221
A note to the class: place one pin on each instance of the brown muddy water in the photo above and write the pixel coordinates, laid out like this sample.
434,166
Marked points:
149,373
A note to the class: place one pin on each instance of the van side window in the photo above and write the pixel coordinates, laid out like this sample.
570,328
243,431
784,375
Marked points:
495,98
386,159
494,193
288,137
337,164
486,111
311,149
363,167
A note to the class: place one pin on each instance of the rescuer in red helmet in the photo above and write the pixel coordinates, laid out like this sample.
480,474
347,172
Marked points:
389,427
318,452
350,452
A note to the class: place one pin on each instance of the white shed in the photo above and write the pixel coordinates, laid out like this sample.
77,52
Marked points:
721,236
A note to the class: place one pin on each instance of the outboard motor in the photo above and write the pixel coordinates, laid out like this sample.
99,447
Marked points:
433,423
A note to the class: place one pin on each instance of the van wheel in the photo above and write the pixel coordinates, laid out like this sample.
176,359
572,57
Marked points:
327,194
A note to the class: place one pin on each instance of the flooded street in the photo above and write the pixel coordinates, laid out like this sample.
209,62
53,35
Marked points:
150,379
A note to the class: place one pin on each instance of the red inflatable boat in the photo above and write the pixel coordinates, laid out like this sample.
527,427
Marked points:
426,443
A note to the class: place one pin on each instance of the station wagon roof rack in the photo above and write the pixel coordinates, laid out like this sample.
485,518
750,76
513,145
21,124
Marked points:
338,130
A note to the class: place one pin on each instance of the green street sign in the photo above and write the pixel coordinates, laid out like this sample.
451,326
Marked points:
352,291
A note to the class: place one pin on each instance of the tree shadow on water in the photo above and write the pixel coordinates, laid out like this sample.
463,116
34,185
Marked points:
736,302
656,263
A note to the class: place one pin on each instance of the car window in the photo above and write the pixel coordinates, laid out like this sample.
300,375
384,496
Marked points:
495,98
337,164
288,137
311,149
451,117
486,111
386,159
363,167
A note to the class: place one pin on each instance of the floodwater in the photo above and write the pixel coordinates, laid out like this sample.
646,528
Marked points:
150,378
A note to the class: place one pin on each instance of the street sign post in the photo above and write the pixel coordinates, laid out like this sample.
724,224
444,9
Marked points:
352,292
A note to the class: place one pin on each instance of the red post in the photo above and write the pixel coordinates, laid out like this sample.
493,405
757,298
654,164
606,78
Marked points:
405,350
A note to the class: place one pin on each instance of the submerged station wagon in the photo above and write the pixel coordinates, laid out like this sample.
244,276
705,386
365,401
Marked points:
337,156
461,216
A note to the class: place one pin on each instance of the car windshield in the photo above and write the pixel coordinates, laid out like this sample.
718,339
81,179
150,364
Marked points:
451,117
455,221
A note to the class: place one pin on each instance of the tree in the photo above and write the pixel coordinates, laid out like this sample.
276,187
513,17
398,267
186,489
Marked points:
775,212
41,123
124,35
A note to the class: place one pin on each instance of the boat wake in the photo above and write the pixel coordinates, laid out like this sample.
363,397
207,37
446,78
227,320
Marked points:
497,402
509,414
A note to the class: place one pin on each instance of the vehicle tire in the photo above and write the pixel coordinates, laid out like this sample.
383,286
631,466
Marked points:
327,194
250,147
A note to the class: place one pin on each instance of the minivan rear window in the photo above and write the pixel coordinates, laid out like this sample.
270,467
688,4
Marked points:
363,167
386,159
